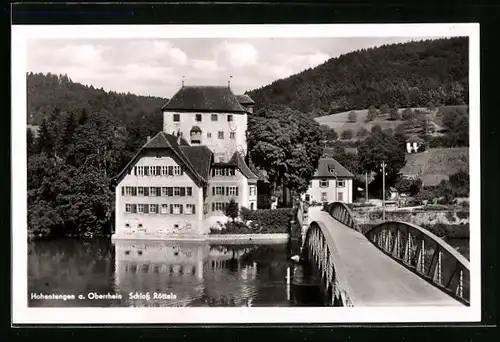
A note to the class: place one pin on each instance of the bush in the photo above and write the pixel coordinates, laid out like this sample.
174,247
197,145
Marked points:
266,221
326,207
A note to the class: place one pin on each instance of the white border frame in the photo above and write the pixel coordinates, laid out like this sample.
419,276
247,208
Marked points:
22,314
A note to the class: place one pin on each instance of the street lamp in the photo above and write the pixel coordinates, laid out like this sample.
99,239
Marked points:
383,165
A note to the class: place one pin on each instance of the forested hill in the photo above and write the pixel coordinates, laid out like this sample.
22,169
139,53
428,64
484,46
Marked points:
49,93
404,75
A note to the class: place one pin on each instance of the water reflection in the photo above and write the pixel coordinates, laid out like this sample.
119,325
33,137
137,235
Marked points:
180,274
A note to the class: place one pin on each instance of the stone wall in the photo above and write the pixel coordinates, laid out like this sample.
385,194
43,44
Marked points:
373,216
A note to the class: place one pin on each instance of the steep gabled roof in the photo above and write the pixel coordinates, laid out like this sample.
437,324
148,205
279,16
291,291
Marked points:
200,157
238,160
245,99
163,140
415,138
330,168
205,99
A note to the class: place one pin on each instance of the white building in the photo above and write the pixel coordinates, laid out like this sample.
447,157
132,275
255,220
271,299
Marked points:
413,143
332,182
173,186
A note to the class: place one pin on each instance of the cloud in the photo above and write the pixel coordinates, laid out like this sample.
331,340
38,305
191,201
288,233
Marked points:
237,55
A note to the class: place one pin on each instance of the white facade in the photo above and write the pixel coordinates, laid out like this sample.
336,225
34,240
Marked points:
329,190
130,218
223,133
412,147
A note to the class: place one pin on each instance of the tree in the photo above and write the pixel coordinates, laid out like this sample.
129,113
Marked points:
376,129
45,141
329,133
394,114
363,132
407,114
347,134
384,109
287,145
400,129
381,147
460,182
456,121
232,210
30,142
372,113
352,117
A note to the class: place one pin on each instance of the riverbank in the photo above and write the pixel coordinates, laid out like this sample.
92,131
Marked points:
212,238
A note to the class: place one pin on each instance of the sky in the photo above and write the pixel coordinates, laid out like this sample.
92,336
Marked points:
156,67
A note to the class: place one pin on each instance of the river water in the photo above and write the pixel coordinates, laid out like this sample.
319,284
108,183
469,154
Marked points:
135,274
163,274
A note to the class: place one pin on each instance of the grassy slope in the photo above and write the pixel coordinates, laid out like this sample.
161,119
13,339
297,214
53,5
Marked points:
339,121
437,163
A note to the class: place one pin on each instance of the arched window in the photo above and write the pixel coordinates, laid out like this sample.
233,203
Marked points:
195,135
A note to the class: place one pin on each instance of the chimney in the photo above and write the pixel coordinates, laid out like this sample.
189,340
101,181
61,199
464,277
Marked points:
229,82
179,137
148,138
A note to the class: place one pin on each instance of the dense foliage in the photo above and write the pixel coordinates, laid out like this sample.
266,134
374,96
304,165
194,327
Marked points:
287,145
406,75
79,147
261,221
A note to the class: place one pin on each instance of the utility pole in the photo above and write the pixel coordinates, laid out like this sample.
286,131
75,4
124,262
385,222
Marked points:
366,186
383,190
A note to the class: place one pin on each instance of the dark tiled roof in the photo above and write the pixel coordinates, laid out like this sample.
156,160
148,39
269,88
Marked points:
238,160
200,157
414,138
245,99
328,164
205,99
163,140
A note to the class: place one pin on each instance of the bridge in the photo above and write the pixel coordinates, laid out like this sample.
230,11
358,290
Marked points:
391,264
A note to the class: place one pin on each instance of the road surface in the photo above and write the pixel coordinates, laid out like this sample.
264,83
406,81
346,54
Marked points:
374,278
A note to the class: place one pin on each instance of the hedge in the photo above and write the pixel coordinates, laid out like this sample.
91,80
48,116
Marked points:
260,221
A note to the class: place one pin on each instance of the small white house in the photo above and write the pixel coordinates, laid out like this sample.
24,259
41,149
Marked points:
413,143
332,182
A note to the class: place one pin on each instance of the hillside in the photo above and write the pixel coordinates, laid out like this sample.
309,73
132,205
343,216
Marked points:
436,164
407,75
47,92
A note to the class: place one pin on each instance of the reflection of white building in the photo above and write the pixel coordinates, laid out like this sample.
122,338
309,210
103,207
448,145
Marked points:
190,271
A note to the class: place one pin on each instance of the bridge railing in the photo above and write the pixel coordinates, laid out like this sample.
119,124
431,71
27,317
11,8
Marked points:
425,254
342,213
322,251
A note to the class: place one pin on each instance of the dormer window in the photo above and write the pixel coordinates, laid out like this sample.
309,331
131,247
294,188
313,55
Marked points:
195,135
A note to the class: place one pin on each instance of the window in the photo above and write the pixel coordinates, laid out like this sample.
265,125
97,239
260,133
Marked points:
139,170
198,117
340,183
251,206
323,183
252,190
130,191
153,208
164,208
177,191
220,135
140,191
214,117
177,209
164,171
340,197
164,191
209,135
177,170
217,190
308,198
177,118
152,191
189,191
128,208
140,208
232,191
218,206
230,118
190,209
324,197
232,135
146,191
170,191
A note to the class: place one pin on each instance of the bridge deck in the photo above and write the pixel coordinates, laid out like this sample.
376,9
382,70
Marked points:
374,278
